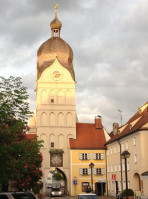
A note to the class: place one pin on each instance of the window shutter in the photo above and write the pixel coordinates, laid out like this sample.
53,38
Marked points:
94,156
89,156
81,171
102,156
80,156
102,171
89,171
94,171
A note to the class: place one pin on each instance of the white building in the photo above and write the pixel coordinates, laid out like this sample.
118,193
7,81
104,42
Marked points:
133,137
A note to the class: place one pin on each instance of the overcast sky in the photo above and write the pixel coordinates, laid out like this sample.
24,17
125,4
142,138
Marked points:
109,39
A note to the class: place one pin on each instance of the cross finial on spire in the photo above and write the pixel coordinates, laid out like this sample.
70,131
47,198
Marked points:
56,6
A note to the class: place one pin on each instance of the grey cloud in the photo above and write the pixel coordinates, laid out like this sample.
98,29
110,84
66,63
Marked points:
109,40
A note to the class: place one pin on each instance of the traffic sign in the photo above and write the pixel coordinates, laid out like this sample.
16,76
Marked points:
75,182
74,178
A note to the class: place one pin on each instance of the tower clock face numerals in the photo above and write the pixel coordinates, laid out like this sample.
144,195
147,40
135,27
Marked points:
56,74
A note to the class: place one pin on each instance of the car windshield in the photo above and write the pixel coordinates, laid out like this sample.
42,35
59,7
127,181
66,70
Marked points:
55,189
23,196
87,197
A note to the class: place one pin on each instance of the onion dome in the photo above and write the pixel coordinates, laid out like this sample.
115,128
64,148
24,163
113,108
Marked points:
55,24
53,48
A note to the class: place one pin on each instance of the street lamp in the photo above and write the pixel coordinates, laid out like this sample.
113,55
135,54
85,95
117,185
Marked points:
91,166
126,155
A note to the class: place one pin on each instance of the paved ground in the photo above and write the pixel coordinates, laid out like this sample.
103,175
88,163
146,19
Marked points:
71,197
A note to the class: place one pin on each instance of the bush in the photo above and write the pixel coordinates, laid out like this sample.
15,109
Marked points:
130,193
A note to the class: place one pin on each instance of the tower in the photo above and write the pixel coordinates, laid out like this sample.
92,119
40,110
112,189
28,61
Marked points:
55,103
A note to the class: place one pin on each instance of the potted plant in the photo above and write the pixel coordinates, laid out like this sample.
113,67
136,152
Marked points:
130,194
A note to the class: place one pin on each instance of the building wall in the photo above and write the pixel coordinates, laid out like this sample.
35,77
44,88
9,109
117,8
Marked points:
77,164
56,116
136,164
145,186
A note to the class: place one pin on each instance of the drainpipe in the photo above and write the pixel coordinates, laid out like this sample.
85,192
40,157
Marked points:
121,167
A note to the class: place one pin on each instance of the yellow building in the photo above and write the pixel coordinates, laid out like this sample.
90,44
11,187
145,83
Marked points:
88,148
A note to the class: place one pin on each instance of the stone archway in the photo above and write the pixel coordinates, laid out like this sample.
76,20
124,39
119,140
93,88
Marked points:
136,182
64,185
53,182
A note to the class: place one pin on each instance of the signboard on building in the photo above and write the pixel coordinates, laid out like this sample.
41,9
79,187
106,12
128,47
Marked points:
102,180
113,176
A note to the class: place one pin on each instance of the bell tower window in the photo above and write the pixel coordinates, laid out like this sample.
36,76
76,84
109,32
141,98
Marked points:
56,33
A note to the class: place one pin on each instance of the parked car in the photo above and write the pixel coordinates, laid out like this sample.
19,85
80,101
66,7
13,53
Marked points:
56,192
87,196
17,195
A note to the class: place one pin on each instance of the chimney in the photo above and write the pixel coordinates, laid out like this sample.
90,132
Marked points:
115,128
98,122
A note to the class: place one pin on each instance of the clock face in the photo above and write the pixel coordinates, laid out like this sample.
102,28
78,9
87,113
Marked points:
56,74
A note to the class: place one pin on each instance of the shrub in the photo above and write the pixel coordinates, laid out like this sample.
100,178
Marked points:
130,193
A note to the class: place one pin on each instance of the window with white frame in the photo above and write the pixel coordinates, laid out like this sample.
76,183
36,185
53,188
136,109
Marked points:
128,184
128,167
135,158
115,149
134,141
115,168
108,168
84,156
111,168
123,167
119,185
85,171
99,171
127,145
98,156
122,146
113,187
119,167
109,185
124,184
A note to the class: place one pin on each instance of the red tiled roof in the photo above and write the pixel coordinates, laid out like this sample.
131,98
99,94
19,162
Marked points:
88,137
142,119
30,136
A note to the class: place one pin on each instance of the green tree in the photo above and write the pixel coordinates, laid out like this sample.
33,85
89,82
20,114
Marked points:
13,99
20,157
58,175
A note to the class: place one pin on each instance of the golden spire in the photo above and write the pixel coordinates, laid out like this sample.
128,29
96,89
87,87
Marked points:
56,6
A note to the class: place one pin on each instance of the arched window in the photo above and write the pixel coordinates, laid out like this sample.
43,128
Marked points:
52,97
43,137
69,121
52,119
61,119
61,142
43,119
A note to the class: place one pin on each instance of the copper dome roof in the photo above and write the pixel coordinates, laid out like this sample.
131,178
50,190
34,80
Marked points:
55,24
53,48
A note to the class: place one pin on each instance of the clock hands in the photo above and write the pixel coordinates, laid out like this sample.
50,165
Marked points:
54,74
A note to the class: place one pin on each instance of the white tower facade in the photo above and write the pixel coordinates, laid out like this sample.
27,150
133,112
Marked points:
55,103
